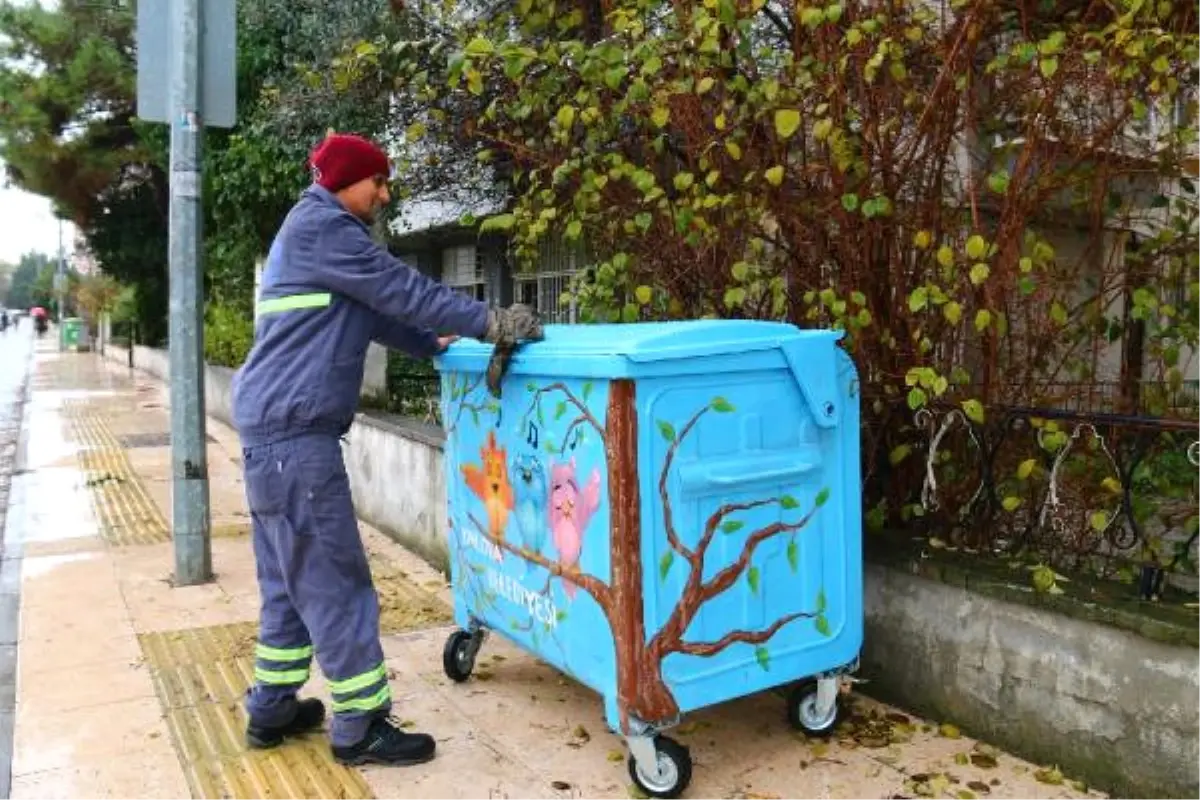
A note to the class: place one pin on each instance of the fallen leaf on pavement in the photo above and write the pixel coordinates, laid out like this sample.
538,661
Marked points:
965,794
1078,786
979,786
615,756
636,793
962,759
1050,775
949,731
560,786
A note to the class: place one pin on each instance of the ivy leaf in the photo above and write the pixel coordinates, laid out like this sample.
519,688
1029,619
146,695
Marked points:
721,405
1058,314
774,175
479,46
660,116
752,579
788,502
793,555
787,122
1026,468
916,398
983,318
734,150
918,300
850,202
945,256
732,526
667,430
974,410
1011,503
952,311
998,181
614,76
643,294
976,247
664,564
705,85
565,117
1048,66
822,625
762,657
980,273
574,229
822,497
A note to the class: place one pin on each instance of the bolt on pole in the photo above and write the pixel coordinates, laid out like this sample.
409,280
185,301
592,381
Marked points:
189,459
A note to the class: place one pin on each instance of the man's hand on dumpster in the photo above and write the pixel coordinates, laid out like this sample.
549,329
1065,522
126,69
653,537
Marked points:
517,323
444,342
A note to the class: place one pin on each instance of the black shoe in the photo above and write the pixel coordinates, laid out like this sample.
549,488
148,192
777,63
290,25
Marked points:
387,744
310,714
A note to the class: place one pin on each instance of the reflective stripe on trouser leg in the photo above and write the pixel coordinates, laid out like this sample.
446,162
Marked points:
329,581
368,692
284,650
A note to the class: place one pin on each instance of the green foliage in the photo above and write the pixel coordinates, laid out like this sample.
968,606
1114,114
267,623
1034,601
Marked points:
228,335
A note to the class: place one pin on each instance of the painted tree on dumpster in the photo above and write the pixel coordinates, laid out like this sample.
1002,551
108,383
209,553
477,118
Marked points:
642,690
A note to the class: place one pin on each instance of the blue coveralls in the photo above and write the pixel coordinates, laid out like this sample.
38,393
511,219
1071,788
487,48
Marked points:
327,291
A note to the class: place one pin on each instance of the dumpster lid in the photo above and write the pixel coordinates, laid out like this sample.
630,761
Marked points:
647,342
620,350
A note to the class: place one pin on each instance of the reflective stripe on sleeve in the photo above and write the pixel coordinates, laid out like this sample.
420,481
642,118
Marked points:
294,301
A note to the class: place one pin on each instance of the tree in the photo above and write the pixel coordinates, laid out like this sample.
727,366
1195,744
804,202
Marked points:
32,282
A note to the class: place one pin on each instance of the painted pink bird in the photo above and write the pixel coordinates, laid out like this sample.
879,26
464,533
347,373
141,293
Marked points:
570,511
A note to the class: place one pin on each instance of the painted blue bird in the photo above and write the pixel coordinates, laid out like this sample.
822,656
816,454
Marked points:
530,493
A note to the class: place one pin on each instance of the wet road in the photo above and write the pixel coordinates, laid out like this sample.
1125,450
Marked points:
15,350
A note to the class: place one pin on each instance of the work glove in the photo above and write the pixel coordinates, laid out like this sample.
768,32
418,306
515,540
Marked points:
516,323
508,327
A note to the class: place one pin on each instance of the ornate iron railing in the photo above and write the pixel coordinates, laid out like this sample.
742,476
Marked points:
1108,494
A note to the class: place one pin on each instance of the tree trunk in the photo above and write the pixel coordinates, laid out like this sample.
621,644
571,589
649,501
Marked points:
641,691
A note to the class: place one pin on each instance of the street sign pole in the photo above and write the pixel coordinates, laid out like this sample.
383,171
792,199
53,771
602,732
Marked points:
189,457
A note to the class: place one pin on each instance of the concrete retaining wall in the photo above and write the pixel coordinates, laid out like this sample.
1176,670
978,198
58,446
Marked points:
1107,705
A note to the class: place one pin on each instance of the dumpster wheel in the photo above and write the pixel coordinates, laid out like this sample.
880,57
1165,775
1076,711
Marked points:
458,656
674,769
804,708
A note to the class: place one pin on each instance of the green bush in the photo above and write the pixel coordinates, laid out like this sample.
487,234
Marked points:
228,335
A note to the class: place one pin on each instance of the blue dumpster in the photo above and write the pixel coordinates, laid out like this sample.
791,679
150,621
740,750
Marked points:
668,512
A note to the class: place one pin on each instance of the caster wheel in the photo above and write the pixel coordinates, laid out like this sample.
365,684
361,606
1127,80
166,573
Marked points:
804,714
674,770
457,659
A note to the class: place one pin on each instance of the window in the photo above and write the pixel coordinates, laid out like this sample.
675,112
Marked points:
462,270
543,289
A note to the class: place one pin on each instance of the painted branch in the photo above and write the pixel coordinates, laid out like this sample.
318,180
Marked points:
575,423
589,583
719,516
696,592
746,637
664,495
571,398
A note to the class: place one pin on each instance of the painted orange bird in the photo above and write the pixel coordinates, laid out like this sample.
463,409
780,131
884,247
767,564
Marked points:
491,485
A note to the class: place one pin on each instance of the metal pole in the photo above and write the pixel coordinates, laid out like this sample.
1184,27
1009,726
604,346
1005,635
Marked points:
189,461
60,280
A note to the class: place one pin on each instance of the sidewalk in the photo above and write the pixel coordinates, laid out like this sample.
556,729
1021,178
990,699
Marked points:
128,687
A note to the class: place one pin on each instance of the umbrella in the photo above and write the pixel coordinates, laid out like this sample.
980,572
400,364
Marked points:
37,311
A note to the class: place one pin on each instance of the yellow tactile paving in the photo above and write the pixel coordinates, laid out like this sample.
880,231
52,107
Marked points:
200,676
125,511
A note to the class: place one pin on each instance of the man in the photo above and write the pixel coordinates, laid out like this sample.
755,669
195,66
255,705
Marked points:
327,291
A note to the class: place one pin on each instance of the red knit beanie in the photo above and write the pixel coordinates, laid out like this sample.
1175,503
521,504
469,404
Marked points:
343,159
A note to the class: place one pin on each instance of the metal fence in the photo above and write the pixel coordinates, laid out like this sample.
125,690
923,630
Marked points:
1111,495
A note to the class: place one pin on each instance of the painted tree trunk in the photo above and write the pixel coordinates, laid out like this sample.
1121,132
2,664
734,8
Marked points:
641,691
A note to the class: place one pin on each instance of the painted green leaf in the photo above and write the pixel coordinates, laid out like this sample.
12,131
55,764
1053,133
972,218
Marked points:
560,615
475,417
787,122
752,579
721,405
550,446
560,409
822,625
667,430
531,387
762,657
732,526
821,602
587,390
822,497
793,555
664,564
788,502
